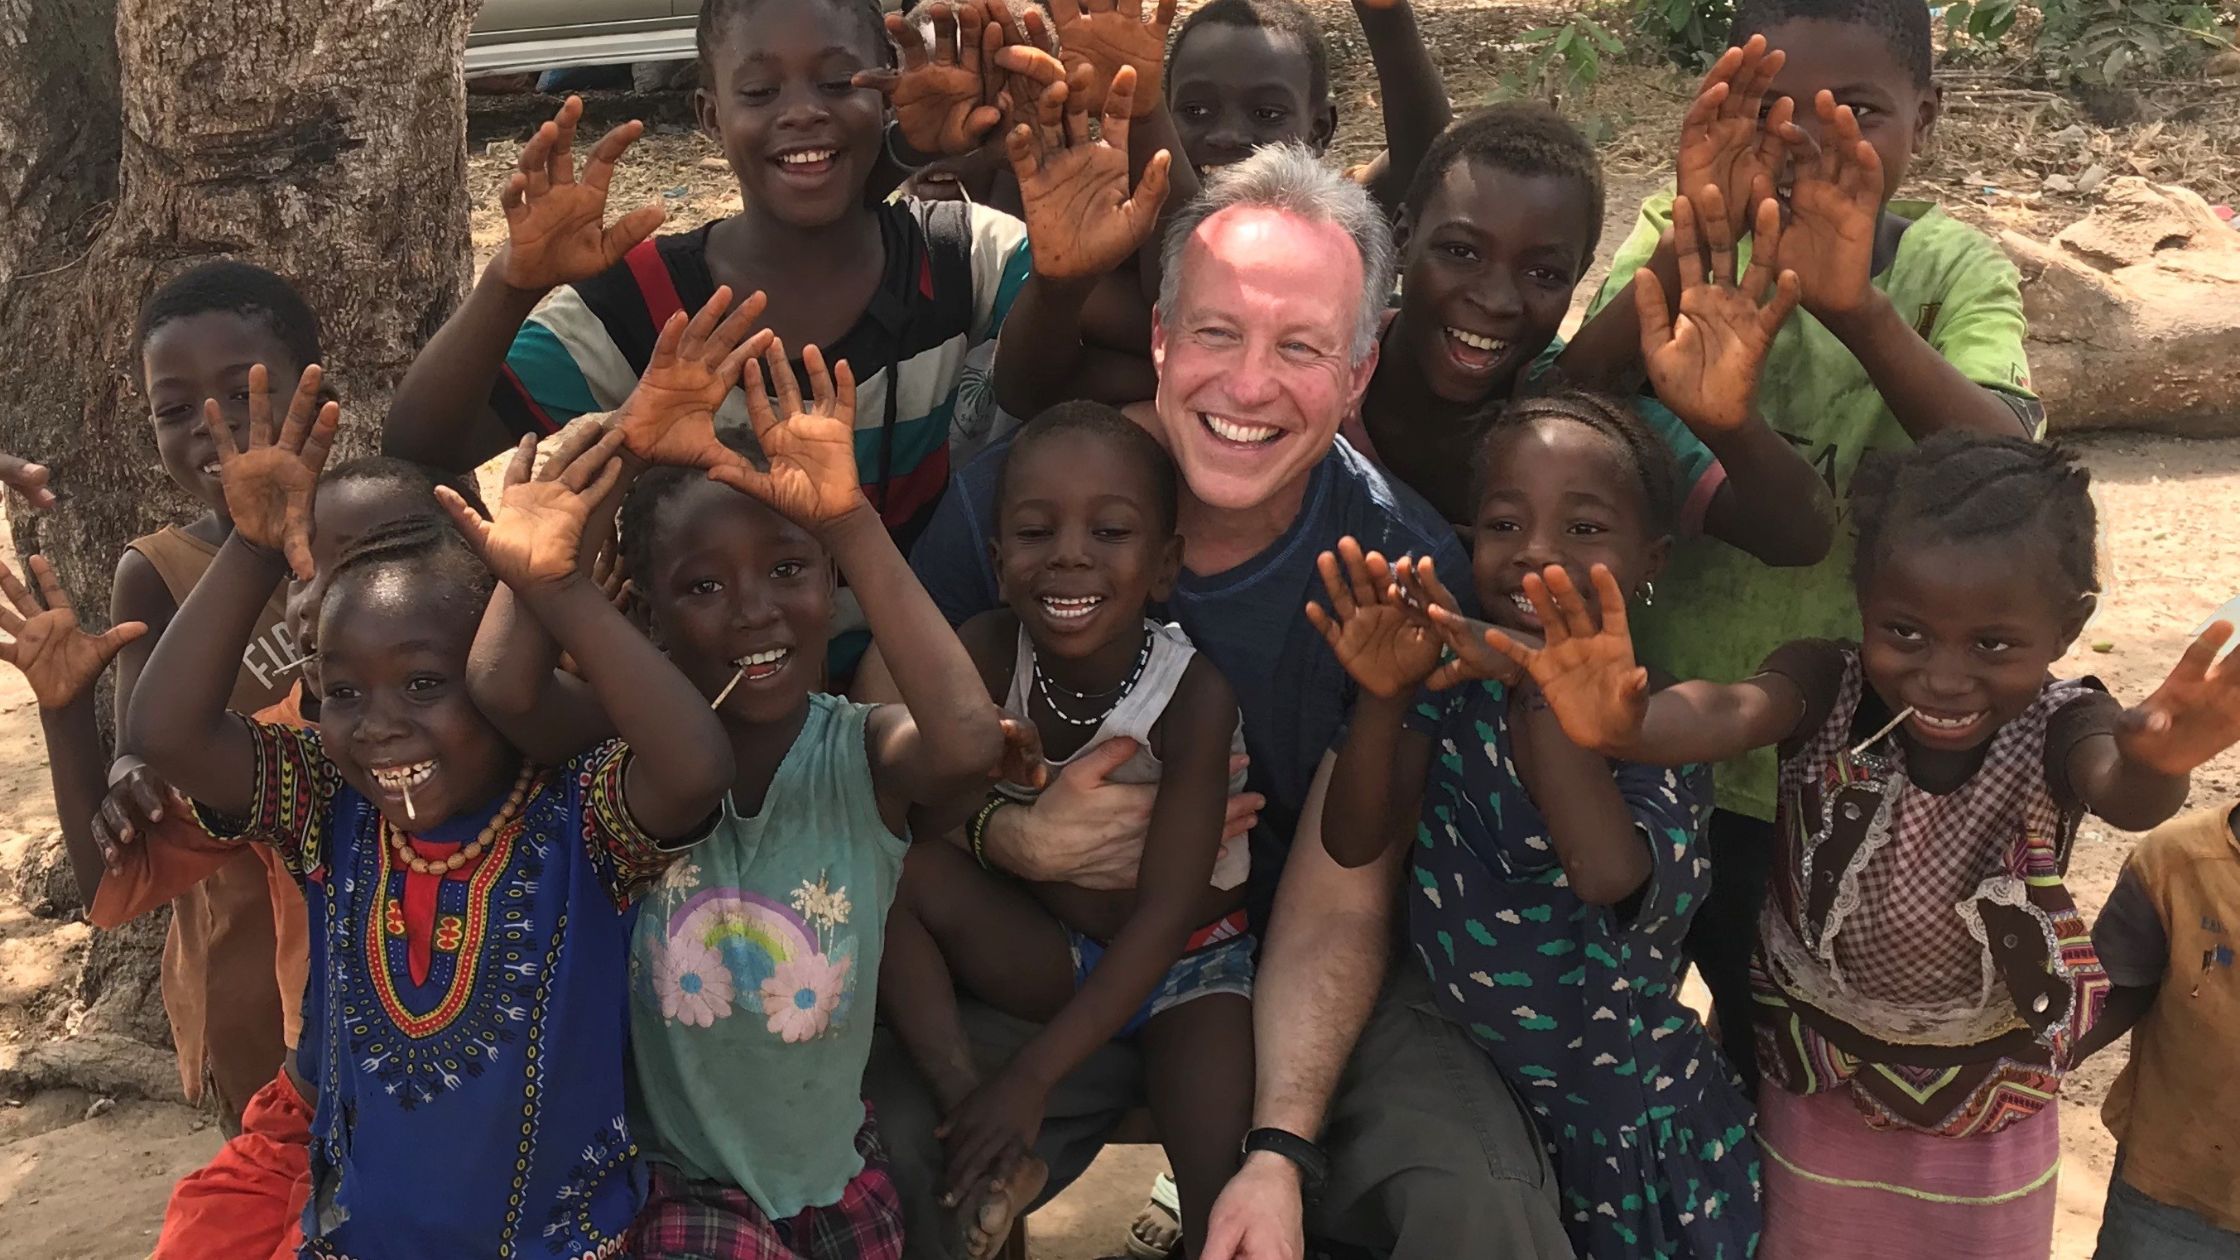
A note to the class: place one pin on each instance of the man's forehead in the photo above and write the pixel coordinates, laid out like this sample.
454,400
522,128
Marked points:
1266,247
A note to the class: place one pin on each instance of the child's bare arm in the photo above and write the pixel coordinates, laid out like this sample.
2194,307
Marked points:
681,764
1408,84
2139,776
1600,694
185,732
1389,649
1706,363
556,234
1589,823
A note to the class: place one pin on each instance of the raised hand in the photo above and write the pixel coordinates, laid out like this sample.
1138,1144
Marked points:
1835,211
1723,143
1586,672
269,487
1081,220
1705,365
1388,647
26,479
536,540
670,418
941,100
1107,36
2192,716
1468,657
809,456
59,660
556,228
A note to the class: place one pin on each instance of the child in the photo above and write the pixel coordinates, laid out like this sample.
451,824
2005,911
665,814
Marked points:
1923,979
1169,961
197,337
1912,324
902,290
2166,938
1244,73
1555,887
468,908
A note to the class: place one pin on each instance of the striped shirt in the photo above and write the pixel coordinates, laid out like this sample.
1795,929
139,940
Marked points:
920,352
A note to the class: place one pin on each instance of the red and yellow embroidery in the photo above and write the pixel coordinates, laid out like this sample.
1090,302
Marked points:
464,943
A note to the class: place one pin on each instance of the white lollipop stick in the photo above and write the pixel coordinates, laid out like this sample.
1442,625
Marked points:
725,694
1893,724
406,787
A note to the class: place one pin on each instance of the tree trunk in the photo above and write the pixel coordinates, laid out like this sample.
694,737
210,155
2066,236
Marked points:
140,137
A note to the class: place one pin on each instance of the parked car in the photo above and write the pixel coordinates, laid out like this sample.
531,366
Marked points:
516,35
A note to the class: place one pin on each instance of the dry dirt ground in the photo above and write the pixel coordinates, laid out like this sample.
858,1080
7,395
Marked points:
94,1188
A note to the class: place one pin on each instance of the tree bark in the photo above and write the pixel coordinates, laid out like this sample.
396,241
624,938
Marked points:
140,137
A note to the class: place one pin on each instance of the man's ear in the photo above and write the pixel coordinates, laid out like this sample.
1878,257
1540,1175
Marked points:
1158,338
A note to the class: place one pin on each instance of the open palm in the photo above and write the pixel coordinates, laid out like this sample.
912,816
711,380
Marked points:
59,660
1723,142
939,96
537,538
269,486
1081,219
556,222
2192,716
809,456
1835,212
1388,647
1705,364
670,418
1587,672
1107,36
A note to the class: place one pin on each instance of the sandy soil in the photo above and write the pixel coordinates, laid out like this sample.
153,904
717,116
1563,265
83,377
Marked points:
73,1186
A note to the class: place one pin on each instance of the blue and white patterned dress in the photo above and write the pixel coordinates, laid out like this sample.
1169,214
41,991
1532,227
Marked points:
1578,1005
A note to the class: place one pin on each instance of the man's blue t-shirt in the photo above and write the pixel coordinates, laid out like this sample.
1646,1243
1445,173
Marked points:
1249,620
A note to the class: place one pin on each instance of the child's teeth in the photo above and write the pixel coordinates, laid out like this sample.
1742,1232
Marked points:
805,157
1947,723
1523,604
1476,342
1235,432
404,776
770,657
1071,607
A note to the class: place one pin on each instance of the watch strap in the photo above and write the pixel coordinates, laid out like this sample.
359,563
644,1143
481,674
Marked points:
1313,1164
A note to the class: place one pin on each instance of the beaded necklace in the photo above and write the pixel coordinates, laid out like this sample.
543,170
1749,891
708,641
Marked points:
402,843
1049,688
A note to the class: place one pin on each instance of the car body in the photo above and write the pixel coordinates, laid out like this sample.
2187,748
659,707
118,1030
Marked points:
516,35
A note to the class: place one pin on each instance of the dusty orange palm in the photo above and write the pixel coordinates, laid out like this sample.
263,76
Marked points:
59,660
1723,142
1586,672
1705,364
809,456
556,223
536,539
1082,220
2193,715
1388,647
269,486
670,418
940,97
1835,212
1105,36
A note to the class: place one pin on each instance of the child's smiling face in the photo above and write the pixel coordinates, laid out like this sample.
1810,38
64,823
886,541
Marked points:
394,707
1963,633
1855,63
800,137
197,357
1234,88
733,587
1077,557
1488,268
1554,491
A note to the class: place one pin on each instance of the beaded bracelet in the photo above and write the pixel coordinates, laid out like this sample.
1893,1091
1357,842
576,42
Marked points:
976,831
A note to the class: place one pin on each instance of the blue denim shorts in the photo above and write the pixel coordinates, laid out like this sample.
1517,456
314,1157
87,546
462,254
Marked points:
2135,1226
1218,960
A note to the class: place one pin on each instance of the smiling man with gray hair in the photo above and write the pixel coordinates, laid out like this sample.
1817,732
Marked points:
1377,1123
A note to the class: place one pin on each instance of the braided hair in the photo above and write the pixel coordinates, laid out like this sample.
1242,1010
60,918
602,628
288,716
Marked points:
1964,487
1645,453
653,488
423,553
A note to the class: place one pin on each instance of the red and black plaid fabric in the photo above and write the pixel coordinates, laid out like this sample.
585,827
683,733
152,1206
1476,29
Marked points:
710,1221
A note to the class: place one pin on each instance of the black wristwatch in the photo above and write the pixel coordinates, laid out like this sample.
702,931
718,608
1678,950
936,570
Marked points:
1314,1166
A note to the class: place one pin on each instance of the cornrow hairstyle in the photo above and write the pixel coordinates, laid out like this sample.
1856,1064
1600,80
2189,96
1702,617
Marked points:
1904,25
235,288
408,476
423,551
1282,17
1521,138
1962,487
717,15
656,486
1125,436
1657,477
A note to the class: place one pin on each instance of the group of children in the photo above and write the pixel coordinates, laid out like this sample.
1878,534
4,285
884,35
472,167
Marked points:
537,887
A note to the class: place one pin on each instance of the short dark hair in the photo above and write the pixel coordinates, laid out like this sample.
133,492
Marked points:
1964,487
1902,24
409,476
715,15
1523,139
1282,17
1657,476
444,571
1098,420
235,288
656,486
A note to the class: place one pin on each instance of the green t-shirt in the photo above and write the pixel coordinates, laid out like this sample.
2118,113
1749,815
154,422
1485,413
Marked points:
1718,612
753,977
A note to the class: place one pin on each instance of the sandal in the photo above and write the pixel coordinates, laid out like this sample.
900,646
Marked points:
1156,1233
